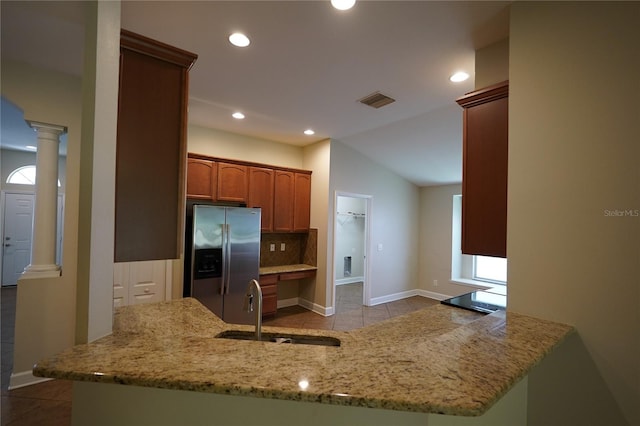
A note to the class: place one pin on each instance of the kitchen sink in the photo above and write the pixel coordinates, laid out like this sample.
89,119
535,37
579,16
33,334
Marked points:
281,338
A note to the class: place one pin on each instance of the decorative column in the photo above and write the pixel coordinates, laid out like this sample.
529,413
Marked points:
43,246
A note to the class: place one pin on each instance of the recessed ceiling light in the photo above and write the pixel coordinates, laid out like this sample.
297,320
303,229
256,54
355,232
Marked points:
309,132
239,39
459,76
343,4
238,115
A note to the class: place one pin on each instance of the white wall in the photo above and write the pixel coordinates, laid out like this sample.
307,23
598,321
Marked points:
573,155
394,219
45,308
11,160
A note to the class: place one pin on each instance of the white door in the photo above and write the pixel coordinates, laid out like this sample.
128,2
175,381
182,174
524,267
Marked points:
16,241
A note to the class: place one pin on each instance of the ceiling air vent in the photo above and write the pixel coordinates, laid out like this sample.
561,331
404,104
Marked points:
377,100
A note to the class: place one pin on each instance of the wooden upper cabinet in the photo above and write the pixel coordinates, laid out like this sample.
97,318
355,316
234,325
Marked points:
233,182
484,175
302,202
261,190
202,179
151,149
284,195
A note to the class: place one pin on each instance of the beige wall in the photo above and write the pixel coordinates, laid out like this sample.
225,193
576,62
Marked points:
317,158
573,155
394,219
492,64
218,143
45,308
436,210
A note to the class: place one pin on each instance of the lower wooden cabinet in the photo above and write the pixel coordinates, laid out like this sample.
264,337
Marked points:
269,285
141,282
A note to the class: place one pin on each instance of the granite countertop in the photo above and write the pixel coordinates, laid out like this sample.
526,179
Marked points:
280,269
436,360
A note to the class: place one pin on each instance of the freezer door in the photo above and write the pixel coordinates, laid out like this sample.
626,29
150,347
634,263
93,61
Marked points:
243,263
207,257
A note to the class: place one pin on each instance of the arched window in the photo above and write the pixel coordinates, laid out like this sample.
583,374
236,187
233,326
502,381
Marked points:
25,175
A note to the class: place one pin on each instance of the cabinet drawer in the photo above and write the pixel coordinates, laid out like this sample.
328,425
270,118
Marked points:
269,289
269,304
297,275
268,279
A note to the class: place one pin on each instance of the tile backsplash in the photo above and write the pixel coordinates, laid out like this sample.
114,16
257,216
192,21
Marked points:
299,248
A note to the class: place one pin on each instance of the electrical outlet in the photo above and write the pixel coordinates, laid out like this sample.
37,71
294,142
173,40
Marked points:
272,247
435,283
282,246
379,246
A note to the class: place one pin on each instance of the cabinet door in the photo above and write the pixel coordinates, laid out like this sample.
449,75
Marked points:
202,178
151,149
284,194
261,188
484,176
147,281
302,202
232,182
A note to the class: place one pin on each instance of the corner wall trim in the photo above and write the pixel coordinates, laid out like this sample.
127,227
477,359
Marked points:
318,309
25,378
433,295
393,297
349,280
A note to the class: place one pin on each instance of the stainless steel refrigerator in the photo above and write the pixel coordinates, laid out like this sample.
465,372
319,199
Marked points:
225,257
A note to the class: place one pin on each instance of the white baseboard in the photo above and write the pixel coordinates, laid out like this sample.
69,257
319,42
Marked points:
393,297
24,378
349,280
433,295
328,311
285,303
318,309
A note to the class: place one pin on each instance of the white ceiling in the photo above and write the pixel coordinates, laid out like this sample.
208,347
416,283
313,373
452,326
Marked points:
306,67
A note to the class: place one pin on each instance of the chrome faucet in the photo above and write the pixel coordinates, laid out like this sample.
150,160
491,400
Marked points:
249,304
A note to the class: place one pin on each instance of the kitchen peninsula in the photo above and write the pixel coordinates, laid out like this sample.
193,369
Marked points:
439,360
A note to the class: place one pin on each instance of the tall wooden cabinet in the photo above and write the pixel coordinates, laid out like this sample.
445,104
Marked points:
484,173
151,149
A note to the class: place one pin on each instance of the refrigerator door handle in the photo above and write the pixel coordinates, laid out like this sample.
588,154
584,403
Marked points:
227,282
225,256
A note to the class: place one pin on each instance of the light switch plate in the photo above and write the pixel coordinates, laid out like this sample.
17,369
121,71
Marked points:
282,246
272,247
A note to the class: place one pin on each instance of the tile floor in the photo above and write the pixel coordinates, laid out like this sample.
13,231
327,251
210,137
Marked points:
49,403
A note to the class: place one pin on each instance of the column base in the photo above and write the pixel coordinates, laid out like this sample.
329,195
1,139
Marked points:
41,271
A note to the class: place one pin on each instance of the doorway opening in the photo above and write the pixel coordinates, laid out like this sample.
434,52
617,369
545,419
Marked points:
350,249
17,233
